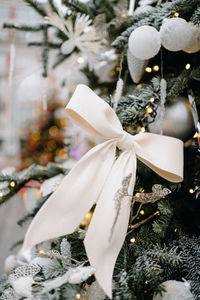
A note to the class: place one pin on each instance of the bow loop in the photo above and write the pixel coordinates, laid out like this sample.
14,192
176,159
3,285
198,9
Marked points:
92,113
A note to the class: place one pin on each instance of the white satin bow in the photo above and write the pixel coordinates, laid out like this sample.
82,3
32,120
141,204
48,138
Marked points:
97,177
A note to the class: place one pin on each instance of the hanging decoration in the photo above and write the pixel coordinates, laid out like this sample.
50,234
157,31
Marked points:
103,242
136,66
175,290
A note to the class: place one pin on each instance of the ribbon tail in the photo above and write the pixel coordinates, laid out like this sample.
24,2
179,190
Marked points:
108,227
67,206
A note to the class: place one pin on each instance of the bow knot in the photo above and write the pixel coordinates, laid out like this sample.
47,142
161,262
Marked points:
126,142
99,177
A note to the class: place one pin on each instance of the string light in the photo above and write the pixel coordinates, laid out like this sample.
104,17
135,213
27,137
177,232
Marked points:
148,69
124,16
149,110
137,195
142,212
191,191
12,183
53,130
35,136
142,130
176,14
175,230
41,251
80,60
156,68
139,85
132,240
1,194
78,296
152,99
141,189
146,281
187,66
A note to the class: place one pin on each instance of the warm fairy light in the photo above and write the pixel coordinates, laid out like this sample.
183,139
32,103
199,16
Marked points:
132,240
35,136
87,219
175,230
141,189
137,195
146,281
152,99
149,110
61,152
157,213
156,68
80,60
118,69
53,130
176,14
187,66
12,183
148,69
142,212
78,296
139,85
41,251
142,130
191,191
1,194
124,16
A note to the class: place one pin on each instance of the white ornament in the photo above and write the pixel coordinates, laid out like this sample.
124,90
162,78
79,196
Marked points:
175,34
144,42
175,290
136,67
10,263
95,292
194,42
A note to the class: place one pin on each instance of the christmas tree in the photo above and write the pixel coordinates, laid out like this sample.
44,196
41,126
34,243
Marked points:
139,238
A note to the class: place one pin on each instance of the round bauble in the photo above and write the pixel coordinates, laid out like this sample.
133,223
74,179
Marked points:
175,290
194,42
178,121
175,34
144,42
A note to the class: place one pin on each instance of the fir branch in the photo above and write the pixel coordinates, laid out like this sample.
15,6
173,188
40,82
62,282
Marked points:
53,6
196,17
78,6
37,7
24,27
177,85
59,59
51,45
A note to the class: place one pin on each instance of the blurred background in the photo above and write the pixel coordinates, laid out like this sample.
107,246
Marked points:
33,123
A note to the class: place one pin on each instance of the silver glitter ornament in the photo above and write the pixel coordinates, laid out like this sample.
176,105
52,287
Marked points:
177,121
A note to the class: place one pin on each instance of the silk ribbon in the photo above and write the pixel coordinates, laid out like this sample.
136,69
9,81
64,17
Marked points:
97,177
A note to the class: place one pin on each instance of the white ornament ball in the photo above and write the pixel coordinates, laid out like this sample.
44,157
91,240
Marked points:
175,34
177,122
10,263
144,42
194,42
23,286
175,290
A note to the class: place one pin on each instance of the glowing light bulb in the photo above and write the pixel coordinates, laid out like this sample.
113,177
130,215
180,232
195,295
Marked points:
142,212
142,130
12,183
132,240
80,60
156,68
176,14
149,110
148,69
187,66
191,191
152,99
78,296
